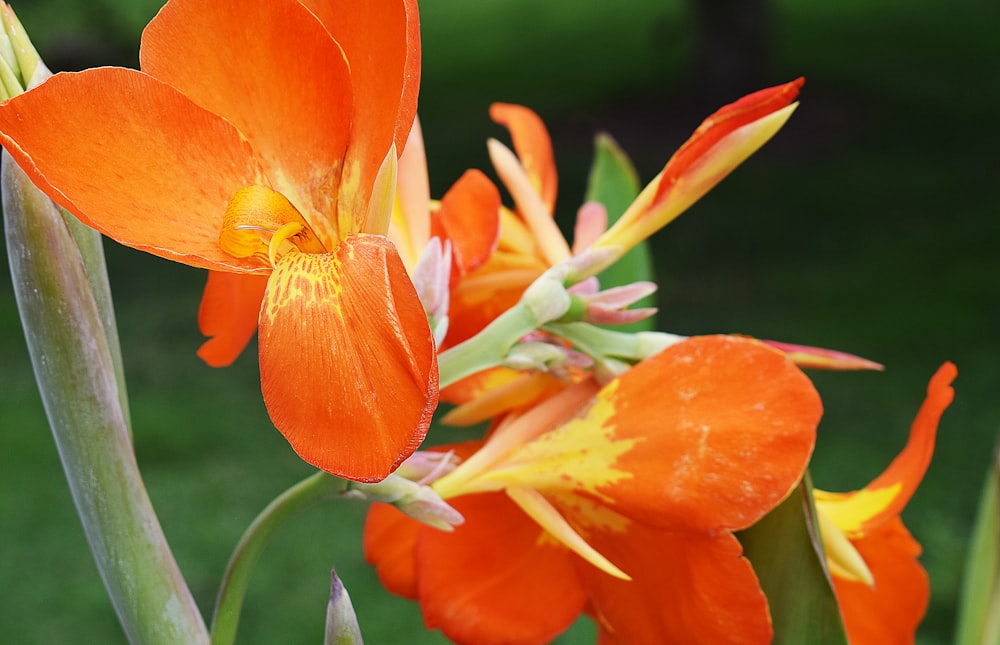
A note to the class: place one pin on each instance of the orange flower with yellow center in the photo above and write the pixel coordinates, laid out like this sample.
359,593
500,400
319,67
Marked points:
882,589
619,501
259,141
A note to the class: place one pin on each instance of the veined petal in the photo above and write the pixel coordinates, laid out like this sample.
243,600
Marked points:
382,43
133,158
888,612
347,361
469,216
859,512
274,72
533,146
497,578
685,588
710,433
228,314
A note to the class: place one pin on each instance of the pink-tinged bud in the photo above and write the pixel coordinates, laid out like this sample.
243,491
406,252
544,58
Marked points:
545,353
430,279
610,307
425,466
824,359
721,143
420,502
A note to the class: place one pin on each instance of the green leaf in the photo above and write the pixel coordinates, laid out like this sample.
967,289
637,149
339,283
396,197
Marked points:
614,183
979,613
787,554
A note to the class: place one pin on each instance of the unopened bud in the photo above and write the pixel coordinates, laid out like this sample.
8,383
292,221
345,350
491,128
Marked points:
418,501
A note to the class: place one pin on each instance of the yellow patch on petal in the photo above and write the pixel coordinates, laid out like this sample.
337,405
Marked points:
311,281
579,456
842,558
850,512
548,517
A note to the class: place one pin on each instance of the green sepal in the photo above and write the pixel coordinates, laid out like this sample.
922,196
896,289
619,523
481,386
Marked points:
786,551
614,182
979,611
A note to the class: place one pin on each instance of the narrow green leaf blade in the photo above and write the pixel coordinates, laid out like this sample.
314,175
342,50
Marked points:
787,554
979,612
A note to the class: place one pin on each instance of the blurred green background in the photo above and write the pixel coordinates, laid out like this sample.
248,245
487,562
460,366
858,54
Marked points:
868,225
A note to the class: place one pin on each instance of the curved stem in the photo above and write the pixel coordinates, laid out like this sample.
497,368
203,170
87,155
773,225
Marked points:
229,602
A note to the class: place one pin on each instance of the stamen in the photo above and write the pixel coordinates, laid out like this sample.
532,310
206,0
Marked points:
261,222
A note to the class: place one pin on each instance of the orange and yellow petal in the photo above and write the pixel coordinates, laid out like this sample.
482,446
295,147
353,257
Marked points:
135,159
533,146
711,433
726,120
888,612
685,588
859,512
347,360
717,147
469,216
273,71
228,315
382,44
497,578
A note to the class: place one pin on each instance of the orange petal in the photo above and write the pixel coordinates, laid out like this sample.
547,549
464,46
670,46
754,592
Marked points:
496,579
889,612
859,512
533,146
134,159
382,44
730,422
228,314
390,543
347,361
709,434
469,216
274,72
685,588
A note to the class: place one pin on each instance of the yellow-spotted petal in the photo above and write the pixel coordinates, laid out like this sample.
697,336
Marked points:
347,361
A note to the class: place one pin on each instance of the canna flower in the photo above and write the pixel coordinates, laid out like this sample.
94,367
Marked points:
882,589
260,141
619,501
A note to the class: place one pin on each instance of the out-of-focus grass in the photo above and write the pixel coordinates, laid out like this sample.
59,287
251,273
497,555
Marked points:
868,225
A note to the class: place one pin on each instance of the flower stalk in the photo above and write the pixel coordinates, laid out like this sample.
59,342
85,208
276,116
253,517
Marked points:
76,375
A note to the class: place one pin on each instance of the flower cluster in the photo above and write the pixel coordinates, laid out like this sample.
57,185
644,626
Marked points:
618,467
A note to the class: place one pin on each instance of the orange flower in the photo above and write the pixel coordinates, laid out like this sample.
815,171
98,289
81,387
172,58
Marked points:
882,589
620,501
260,140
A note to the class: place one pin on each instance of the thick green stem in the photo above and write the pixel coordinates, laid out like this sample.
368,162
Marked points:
73,365
489,347
309,491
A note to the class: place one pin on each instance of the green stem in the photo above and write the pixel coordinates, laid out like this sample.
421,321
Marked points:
489,347
598,342
73,365
306,493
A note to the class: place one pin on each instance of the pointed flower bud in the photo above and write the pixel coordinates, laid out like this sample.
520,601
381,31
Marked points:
431,279
341,622
21,67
